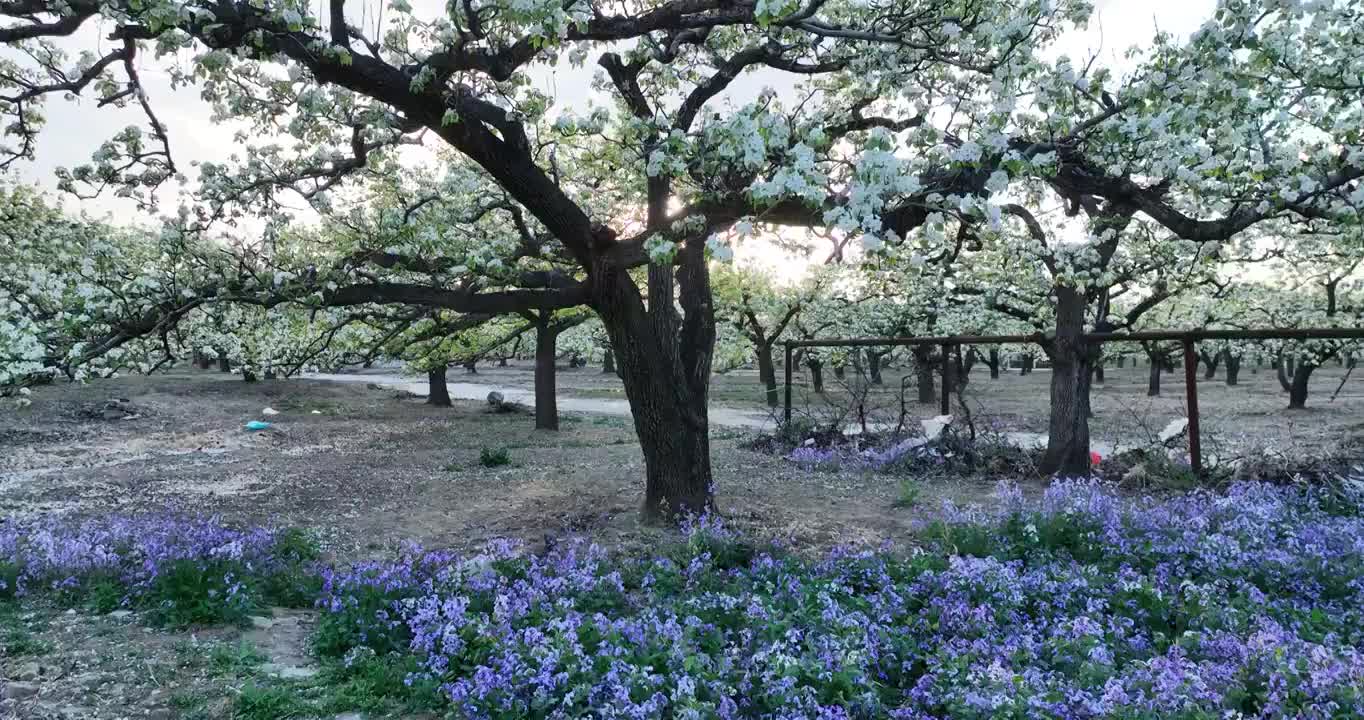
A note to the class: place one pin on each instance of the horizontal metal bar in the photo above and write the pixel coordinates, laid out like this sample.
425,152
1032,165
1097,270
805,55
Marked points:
1148,336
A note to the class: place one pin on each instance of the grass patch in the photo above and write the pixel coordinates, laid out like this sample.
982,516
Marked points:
257,702
494,457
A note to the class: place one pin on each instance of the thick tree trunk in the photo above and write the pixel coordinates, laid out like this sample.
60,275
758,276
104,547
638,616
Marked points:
923,374
1232,363
1153,380
1297,393
546,404
1072,360
1210,363
767,373
664,363
438,393
224,365
874,367
816,374
993,362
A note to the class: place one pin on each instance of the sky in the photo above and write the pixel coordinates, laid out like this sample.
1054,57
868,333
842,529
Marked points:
75,129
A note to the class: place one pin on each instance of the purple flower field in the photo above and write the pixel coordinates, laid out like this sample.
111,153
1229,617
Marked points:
1246,603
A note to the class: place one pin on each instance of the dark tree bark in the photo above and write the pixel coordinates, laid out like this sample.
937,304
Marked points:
1153,379
270,374
816,374
923,373
502,361
874,367
1072,361
1210,362
438,392
967,362
1283,373
840,371
1099,373
1120,361
1025,367
471,367
767,372
1232,363
224,365
248,376
993,363
546,402
608,361
1297,392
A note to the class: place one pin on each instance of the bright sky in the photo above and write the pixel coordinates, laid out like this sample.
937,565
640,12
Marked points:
75,129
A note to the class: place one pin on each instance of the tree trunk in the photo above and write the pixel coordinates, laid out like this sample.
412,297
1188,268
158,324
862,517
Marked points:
248,376
816,374
1072,361
665,363
502,362
1282,373
839,372
1290,361
270,374
608,362
874,367
224,365
1099,373
1297,393
1120,361
1025,367
923,373
767,373
968,361
1210,363
438,393
1232,363
546,404
993,362
471,367
1153,380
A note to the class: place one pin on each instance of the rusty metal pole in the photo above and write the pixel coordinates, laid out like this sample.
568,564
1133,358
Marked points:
946,379
787,412
1191,399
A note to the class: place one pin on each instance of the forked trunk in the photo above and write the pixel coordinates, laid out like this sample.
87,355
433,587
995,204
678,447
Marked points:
816,375
1072,361
1210,363
767,373
546,404
664,362
1297,392
1153,380
874,367
438,393
1232,363
923,373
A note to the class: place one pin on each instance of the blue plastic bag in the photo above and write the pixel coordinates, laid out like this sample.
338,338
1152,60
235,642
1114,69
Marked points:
257,425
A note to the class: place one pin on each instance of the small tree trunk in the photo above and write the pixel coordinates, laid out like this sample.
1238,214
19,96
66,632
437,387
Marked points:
1099,373
1025,367
248,376
270,374
1153,379
1297,393
874,367
840,371
1233,368
224,365
502,361
993,362
816,374
767,373
1072,360
471,367
546,404
438,393
923,373
608,362
1120,361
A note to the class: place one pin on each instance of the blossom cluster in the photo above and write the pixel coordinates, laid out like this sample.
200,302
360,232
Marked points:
1084,605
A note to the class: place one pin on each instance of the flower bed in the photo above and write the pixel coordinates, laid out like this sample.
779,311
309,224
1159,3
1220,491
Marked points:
1241,604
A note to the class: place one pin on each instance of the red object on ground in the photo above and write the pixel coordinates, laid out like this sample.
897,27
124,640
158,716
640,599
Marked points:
1095,458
